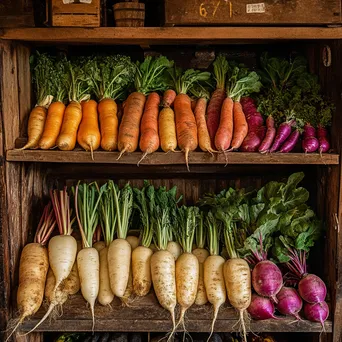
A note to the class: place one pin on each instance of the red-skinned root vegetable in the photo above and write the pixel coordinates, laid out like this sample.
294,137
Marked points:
291,142
310,142
270,135
317,312
324,144
283,132
311,288
261,308
251,142
289,302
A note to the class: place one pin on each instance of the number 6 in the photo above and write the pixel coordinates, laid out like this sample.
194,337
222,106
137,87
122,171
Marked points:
202,11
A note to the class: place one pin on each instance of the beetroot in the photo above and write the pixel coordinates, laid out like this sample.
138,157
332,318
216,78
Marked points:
261,308
317,312
324,144
312,289
250,143
291,142
267,279
283,132
289,302
262,132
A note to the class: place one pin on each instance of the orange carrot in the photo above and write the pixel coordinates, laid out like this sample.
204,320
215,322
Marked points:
168,98
109,124
240,126
53,125
88,135
223,136
66,140
185,126
149,139
193,104
35,128
202,129
130,123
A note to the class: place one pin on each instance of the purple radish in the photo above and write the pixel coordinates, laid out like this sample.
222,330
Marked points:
310,144
317,312
291,142
312,289
309,131
283,132
261,308
251,142
324,144
270,134
261,132
267,279
289,302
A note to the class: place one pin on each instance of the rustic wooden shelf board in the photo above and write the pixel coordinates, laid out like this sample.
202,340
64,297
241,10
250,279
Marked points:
145,314
160,158
167,35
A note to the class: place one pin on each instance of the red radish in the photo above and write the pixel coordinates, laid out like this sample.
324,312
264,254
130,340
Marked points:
270,134
251,142
324,144
291,142
262,132
311,288
289,302
317,312
214,107
261,308
284,131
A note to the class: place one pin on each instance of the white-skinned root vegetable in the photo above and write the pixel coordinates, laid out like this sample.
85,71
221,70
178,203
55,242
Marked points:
261,308
119,250
174,248
163,269
201,254
105,296
33,268
99,245
133,241
141,256
213,270
187,266
87,199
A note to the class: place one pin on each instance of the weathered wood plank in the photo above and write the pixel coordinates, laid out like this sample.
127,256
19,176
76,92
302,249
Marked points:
160,158
168,35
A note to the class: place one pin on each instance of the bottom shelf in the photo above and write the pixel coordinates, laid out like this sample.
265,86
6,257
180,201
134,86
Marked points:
146,315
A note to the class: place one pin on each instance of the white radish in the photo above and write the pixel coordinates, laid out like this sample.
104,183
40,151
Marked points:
141,268
174,248
106,295
99,245
133,241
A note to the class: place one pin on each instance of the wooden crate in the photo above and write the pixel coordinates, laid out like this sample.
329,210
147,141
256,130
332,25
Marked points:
26,177
16,13
251,12
76,14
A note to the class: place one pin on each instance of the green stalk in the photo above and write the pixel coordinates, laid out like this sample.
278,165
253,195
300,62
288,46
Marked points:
221,68
200,231
187,227
213,234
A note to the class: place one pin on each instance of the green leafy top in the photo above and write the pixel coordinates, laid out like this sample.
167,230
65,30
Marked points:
241,82
187,221
78,88
87,200
200,234
151,75
109,76
59,81
213,233
42,77
144,202
199,91
183,82
221,68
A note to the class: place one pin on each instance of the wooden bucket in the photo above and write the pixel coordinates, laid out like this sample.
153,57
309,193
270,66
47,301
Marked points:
129,14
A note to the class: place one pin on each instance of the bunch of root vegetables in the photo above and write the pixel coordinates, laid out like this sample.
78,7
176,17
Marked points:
179,252
165,107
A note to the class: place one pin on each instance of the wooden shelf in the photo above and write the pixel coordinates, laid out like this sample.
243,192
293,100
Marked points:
145,314
160,158
167,35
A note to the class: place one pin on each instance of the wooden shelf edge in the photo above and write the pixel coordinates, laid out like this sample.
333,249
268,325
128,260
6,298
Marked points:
167,35
148,325
160,158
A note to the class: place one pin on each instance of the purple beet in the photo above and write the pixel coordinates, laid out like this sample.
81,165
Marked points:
270,134
312,288
261,308
291,142
261,132
289,302
267,279
310,144
324,144
317,312
309,131
251,142
283,132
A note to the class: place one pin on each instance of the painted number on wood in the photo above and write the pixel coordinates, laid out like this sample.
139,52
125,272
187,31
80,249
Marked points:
256,8
211,8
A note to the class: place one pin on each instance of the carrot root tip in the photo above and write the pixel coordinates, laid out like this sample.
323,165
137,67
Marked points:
143,157
122,153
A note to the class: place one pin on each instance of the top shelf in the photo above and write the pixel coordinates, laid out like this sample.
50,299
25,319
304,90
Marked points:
167,35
